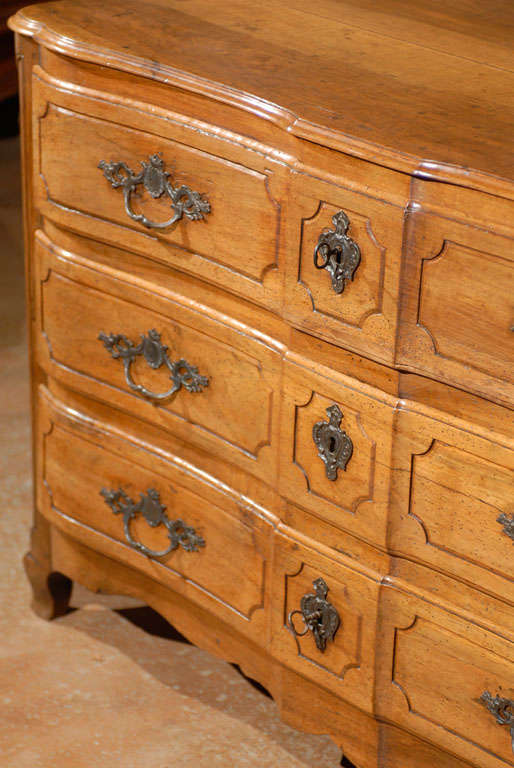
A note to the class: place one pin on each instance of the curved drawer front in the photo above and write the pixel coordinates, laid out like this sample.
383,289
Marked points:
133,172
335,458
343,267
162,361
453,505
324,620
458,317
443,667
138,507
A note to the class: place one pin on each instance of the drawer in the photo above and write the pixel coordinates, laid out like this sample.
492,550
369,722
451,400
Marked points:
336,442
458,315
225,374
343,267
453,501
82,468
339,604
233,243
440,667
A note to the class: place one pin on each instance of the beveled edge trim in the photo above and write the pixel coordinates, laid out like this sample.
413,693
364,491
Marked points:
377,154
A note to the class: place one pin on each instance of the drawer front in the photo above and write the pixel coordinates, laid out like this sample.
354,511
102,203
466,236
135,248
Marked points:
343,267
453,505
225,380
458,318
109,491
441,668
233,242
324,620
335,457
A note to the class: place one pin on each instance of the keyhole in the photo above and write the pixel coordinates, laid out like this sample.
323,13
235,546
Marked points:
332,444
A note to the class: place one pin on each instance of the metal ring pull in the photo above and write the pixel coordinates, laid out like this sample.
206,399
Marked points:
502,709
149,505
320,616
156,181
340,255
155,353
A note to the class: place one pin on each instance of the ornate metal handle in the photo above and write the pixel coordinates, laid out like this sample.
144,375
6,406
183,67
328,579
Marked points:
502,709
508,524
156,181
339,254
149,505
320,616
156,354
334,446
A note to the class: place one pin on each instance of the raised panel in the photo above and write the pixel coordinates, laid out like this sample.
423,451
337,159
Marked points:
243,207
78,460
457,498
339,656
355,484
356,499
466,306
235,411
440,665
458,307
346,665
363,295
453,500
362,316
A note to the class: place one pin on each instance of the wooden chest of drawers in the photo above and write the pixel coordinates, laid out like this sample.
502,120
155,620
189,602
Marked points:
270,259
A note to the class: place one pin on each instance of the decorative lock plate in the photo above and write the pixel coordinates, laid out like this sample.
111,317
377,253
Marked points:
502,709
334,446
337,252
155,353
150,507
156,181
508,524
319,616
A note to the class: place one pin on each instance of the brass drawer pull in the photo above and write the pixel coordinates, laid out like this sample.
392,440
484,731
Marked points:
502,709
337,253
334,446
184,201
508,524
155,353
149,505
320,616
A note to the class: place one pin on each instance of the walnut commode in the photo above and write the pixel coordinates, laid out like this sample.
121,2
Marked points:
270,283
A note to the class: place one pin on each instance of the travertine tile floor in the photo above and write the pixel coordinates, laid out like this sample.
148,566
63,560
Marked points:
96,688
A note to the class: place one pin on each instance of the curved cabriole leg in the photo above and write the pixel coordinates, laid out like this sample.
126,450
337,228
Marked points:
51,590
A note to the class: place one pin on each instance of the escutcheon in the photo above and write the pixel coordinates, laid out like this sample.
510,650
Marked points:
320,616
150,507
337,252
334,446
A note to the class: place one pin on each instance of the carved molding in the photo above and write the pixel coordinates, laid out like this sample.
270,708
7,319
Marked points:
372,466
324,217
350,620
89,536
48,108
251,451
426,272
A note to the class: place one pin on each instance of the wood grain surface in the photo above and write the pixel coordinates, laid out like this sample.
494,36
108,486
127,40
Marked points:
400,116
432,87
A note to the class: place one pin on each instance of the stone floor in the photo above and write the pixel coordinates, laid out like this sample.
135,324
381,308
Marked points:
110,684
